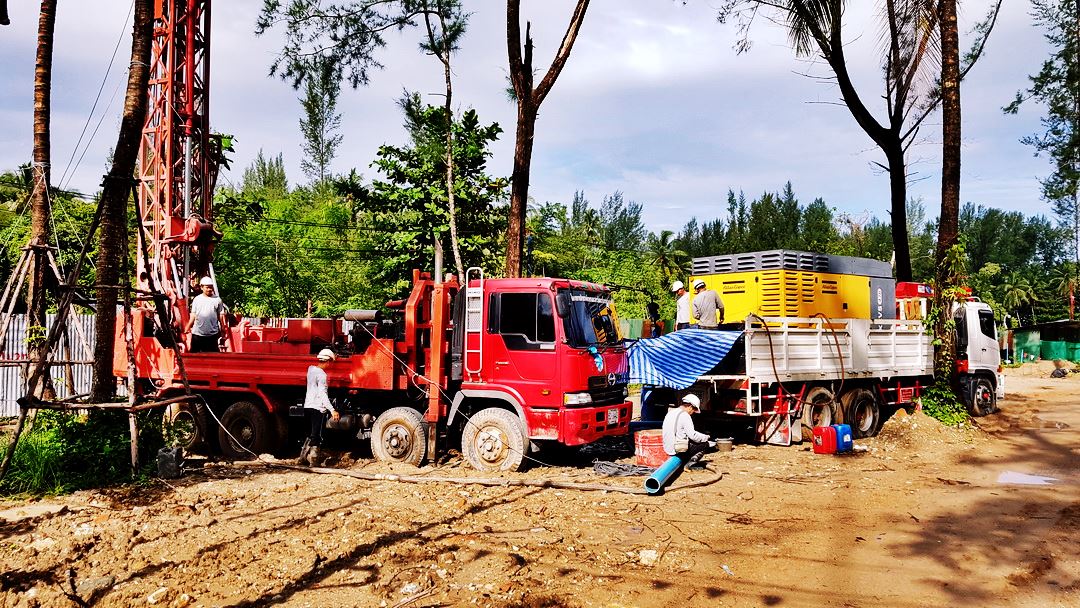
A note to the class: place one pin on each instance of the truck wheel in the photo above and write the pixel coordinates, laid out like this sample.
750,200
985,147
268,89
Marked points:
494,440
819,409
983,399
862,410
245,429
399,435
184,425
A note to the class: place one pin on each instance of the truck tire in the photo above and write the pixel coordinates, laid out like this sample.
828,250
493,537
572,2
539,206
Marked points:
982,399
246,428
862,410
400,435
185,424
819,409
494,440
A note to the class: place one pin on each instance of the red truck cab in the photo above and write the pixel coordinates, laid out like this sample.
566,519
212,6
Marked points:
547,349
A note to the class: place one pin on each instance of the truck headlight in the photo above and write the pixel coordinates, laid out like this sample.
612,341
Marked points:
577,398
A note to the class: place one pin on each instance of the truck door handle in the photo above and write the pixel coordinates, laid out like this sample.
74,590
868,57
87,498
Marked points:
984,350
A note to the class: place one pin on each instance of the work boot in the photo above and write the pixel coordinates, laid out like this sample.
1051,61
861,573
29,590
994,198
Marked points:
694,460
304,451
314,457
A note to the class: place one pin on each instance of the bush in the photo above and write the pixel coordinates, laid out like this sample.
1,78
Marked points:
940,402
63,452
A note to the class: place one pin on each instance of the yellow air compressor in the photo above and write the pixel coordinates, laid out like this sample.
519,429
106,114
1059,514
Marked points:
783,283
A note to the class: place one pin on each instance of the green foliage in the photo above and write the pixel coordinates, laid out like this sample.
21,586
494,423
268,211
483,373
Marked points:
1057,88
409,206
64,452
265,177
286,254
940,402
343,36
35,336
70,223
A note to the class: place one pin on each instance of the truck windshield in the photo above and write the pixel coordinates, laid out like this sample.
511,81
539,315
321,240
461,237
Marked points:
588,318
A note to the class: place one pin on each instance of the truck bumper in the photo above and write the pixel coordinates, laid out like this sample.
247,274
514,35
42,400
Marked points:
579,426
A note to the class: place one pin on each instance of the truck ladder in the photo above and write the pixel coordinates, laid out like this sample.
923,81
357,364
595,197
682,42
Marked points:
474,320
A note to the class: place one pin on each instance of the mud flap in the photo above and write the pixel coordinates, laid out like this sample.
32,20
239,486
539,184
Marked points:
778,429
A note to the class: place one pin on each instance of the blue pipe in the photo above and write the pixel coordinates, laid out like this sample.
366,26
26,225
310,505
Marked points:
656,482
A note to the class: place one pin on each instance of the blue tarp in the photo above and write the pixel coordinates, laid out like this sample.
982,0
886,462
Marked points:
677,359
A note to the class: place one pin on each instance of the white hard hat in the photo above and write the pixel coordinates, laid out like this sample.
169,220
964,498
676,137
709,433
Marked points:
698,284
327,355
676,286
206,281
692,401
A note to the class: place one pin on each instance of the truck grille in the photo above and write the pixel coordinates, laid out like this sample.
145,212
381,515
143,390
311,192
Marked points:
607,395
604,393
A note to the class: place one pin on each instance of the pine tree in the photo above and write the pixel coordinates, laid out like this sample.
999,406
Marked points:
320,123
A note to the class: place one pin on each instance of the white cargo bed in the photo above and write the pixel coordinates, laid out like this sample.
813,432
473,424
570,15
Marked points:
808,349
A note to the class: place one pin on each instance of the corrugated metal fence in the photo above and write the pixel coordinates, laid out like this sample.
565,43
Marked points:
77,347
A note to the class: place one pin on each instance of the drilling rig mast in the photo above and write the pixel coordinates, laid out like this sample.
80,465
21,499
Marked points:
178,157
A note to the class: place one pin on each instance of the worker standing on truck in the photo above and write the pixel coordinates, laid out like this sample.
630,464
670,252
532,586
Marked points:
317,406
206,319
680,437
708,307
682,305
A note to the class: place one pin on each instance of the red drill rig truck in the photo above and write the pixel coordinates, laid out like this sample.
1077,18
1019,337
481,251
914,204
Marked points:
500,365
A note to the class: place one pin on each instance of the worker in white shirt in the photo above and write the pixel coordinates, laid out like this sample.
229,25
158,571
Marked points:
680,437
682,305
317,406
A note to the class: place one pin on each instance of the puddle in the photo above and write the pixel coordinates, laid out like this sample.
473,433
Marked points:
1025,479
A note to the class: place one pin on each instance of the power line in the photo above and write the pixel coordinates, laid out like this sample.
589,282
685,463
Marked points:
71,193
97,98
357,227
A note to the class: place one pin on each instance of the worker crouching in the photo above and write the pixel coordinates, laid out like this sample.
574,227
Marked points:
317,407
680,437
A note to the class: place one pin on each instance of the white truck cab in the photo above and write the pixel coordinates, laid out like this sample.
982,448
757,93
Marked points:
978,356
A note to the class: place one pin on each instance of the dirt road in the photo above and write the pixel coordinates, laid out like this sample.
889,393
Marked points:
927,517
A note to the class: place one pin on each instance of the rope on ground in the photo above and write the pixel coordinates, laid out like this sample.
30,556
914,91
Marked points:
618,469
531,483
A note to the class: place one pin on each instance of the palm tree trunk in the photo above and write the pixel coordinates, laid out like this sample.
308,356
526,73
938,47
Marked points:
950,181
39,201
118,187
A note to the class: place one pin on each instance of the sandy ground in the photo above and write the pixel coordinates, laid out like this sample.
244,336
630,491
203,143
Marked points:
923,518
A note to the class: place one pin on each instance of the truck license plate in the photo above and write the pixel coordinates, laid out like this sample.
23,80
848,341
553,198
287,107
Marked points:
613,416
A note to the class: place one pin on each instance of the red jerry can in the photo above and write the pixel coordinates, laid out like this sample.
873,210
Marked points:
824,440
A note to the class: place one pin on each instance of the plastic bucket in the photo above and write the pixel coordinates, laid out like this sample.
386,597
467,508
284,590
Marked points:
649,448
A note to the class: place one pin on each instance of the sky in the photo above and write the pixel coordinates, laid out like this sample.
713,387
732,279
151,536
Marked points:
653,102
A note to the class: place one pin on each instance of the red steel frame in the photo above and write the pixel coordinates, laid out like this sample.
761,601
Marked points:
177,124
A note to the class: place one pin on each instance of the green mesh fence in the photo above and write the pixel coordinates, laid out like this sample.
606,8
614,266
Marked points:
1027,345
1053,349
